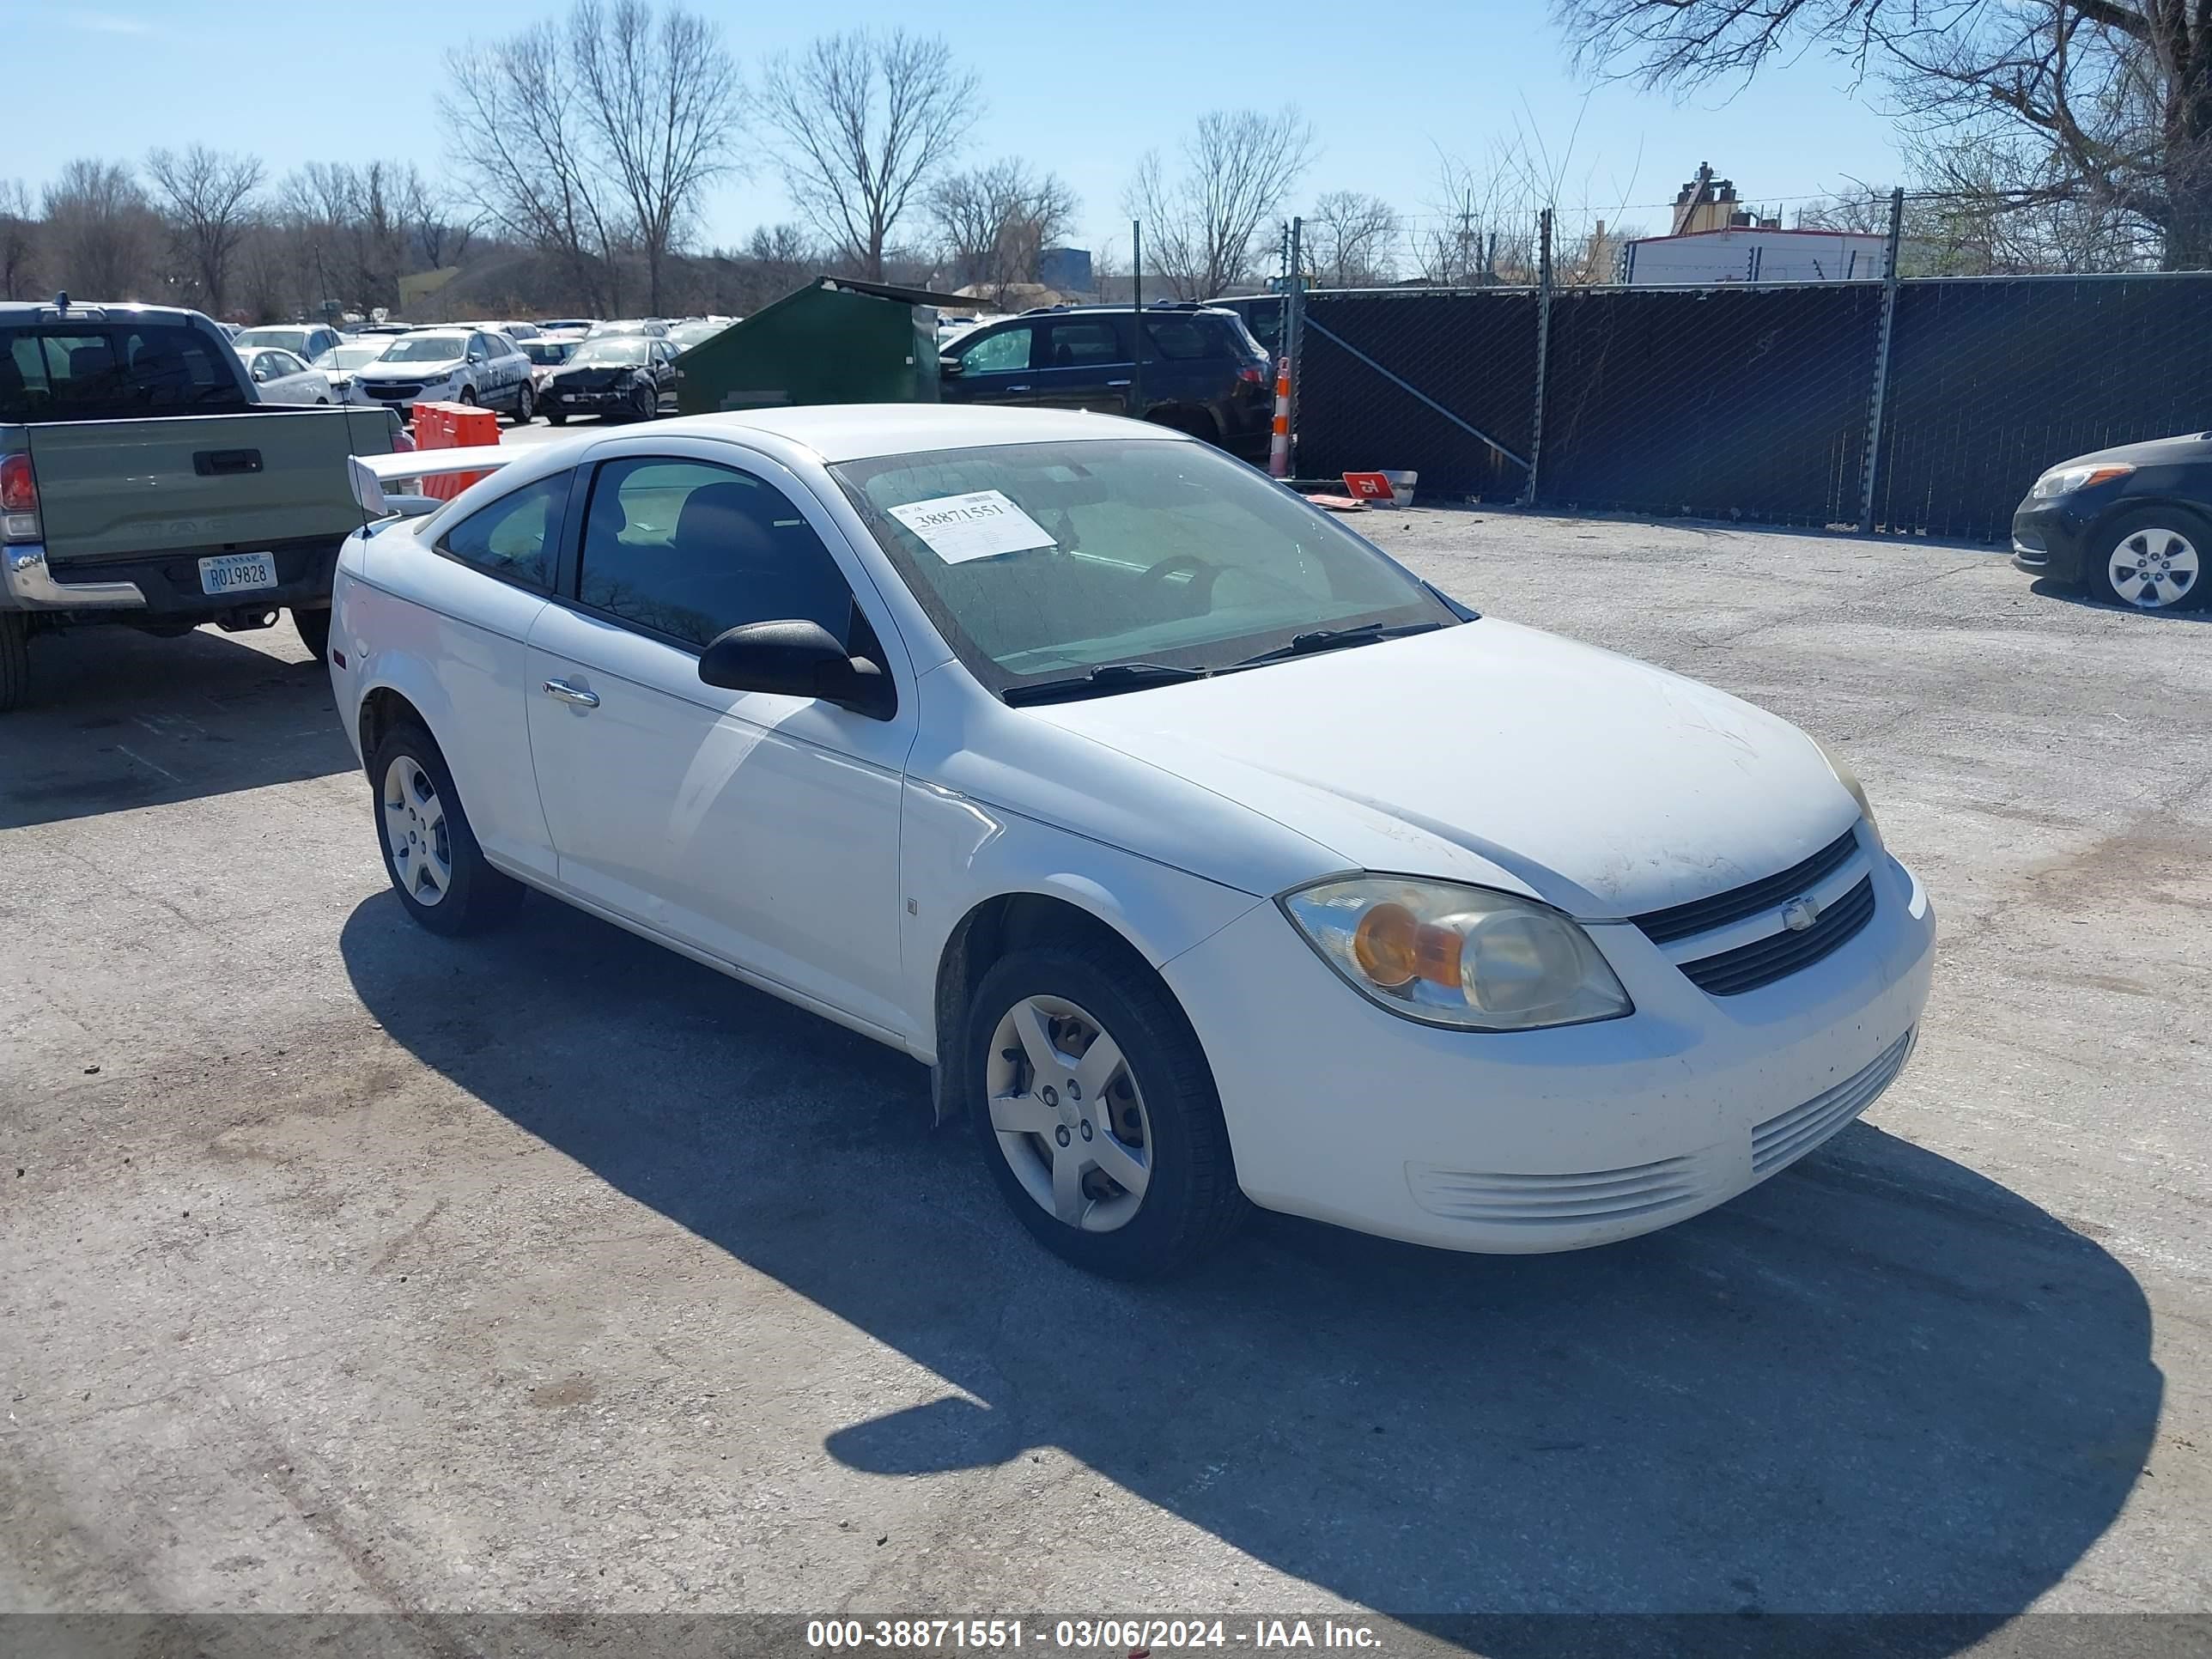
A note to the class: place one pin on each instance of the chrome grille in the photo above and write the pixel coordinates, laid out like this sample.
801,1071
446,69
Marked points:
1780,1140
1768,893
1731,973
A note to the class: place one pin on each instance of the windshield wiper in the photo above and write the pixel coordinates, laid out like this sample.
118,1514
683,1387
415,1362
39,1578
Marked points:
1107,676
1331,638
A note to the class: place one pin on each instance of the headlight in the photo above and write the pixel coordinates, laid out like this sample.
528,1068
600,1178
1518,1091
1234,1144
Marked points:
1849,780
2061,480
1464,956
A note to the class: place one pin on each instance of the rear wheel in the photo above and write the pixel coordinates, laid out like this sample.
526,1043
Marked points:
1097,1111
315,627
2152,559
15,659
525,406
429,852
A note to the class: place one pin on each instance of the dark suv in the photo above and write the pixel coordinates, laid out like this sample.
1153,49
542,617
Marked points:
1204,372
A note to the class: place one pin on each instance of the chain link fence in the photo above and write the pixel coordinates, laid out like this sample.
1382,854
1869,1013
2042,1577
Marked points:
1752,402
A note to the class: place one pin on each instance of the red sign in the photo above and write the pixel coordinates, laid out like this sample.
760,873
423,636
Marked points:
1368,486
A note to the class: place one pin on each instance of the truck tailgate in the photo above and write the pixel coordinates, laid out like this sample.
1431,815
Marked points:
201,481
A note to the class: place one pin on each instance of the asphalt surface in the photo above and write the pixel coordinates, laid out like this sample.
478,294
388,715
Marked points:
351,1269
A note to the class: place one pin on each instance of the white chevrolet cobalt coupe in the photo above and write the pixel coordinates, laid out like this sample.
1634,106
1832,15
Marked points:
1209,856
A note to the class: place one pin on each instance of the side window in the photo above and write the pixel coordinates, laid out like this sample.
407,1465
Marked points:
1085,343
688,549
1181,339
997,354
515,539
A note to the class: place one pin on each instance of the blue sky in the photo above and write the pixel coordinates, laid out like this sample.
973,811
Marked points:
1383,85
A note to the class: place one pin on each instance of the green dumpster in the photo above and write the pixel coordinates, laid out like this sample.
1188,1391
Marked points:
835,341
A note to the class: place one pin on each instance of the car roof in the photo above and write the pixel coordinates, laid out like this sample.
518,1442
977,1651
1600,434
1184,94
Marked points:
853,432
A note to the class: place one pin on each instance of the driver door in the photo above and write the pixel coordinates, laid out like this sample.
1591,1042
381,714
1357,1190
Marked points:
761,829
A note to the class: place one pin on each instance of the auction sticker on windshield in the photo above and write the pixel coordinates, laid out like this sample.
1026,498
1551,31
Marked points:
977,526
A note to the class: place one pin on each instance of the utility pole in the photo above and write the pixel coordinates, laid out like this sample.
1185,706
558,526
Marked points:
1137,322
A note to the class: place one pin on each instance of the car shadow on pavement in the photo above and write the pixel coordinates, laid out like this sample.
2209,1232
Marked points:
2045,588
117,719
1878,1384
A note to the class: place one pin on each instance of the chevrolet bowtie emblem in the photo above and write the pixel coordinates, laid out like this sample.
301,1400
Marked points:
1800,913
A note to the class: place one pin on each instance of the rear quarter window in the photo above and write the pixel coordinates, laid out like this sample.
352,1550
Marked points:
1191,338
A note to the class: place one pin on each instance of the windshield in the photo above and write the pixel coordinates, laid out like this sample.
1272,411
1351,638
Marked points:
622,350
426,348
352,356
1040,561
284,339
547,351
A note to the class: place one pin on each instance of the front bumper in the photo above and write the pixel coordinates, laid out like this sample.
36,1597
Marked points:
2050,538
163,587
584,403
1545,1140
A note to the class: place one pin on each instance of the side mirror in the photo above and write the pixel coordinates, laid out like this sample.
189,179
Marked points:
260,376
796,659
949,367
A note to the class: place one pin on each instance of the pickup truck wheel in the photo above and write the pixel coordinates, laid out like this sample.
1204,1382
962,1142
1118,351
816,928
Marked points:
429,852
14,661
315,627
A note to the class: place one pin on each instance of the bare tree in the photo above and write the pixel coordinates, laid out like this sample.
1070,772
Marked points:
993,221
2107,103
864,120
208,198
1479,227
1353,238
526,160
434,234
100,229
659,102
1201,224
19,238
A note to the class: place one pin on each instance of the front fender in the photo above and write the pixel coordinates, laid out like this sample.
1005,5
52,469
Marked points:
956,854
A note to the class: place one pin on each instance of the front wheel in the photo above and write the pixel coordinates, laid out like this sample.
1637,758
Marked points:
645,403
1097,1113
556,418
2152,559
430,852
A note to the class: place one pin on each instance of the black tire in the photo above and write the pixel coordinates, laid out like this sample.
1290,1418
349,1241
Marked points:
2156,525
478,897
315,627
1191,1202
14,661
468,396
556,418
525,406
645,403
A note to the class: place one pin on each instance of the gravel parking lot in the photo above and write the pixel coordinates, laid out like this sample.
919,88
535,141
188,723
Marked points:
353,1269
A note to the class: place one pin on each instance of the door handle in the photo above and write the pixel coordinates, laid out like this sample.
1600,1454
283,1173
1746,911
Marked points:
1115,384
1020,388
564,692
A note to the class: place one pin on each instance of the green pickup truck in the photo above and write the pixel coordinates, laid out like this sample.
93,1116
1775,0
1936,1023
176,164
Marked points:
144,483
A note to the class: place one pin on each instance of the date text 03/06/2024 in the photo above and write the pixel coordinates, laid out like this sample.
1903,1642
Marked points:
1129,1636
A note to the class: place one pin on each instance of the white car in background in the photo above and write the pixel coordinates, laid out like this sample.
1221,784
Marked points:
306,341
281,378
450,366
342,361
1207,854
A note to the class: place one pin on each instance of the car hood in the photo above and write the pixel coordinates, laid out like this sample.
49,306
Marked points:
2185,448
414,371
1602,784
594,374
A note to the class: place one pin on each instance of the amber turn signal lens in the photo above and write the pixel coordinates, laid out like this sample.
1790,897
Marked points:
1383,945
